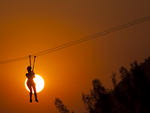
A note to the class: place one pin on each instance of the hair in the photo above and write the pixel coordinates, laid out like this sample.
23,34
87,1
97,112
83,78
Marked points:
29,68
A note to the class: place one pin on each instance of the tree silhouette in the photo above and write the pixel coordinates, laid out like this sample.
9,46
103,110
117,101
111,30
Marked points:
114,80
123,72
60,106
130,95
97,97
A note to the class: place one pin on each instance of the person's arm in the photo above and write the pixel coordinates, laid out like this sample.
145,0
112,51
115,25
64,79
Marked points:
33,74
27,75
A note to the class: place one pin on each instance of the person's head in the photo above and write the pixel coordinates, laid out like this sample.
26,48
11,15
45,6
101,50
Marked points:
29,68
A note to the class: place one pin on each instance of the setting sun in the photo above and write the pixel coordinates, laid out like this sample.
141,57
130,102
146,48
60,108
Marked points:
39,81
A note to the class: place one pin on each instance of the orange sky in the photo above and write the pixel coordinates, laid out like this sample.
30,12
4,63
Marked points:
28,26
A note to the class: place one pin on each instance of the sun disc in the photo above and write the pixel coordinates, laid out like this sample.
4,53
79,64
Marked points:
39,82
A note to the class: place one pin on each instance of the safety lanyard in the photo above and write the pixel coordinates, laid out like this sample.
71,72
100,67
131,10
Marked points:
30,62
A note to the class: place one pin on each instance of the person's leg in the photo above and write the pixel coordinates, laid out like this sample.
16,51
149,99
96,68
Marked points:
30,93
35,94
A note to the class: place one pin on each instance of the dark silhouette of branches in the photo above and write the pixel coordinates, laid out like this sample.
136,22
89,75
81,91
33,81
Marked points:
124,72
60,106
114,80
130,95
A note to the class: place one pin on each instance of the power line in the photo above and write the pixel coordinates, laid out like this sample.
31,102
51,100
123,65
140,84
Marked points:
84,39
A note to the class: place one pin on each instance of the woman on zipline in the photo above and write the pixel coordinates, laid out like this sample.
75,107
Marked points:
30,82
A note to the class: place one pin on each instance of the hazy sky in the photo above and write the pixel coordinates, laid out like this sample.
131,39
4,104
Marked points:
28,26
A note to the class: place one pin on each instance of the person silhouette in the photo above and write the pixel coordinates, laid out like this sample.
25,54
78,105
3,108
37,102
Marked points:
30,83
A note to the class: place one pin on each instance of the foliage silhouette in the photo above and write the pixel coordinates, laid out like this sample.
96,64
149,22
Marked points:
130,95
114,80
60,106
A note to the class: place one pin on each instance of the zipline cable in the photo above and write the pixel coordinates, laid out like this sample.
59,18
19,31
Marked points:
94,36
84,39
14,60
